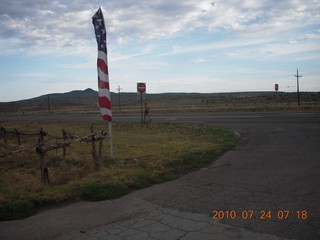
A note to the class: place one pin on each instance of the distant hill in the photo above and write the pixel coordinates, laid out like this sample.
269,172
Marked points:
86,100
77,97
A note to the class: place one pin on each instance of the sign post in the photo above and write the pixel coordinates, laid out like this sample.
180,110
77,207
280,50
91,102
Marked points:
276,88
298,93
141,88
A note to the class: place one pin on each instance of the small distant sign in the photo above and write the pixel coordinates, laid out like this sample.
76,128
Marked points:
276,87
141,87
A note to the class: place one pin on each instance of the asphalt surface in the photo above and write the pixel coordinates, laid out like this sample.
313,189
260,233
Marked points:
273,173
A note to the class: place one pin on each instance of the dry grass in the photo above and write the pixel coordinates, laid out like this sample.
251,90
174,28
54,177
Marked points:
147,155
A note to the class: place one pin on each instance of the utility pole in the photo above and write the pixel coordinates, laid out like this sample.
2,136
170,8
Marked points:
118,88
48,104
298,93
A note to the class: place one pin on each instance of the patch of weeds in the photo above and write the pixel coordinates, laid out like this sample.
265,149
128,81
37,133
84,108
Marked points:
2,185
190,161
17,210
160,176
56,194
169,127
76,163
107,161
141,180
99,192
142,163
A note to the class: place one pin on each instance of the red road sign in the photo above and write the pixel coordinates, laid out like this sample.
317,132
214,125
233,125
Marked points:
141,87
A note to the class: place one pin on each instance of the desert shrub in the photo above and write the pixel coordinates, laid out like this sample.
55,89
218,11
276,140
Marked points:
141,180
17,210
99,192
160,176
142,163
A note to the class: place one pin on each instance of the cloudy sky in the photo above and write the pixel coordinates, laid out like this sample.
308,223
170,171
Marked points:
48,46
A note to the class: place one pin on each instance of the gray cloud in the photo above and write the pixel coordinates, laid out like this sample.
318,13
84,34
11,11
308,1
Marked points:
48,25
156,19
41,25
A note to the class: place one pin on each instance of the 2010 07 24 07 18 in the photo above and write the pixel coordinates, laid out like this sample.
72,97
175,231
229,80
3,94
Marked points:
261,214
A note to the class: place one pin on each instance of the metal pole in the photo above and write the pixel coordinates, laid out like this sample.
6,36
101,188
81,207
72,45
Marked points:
48,103
141,109
298,93
111,142
298,88
119,99
119,89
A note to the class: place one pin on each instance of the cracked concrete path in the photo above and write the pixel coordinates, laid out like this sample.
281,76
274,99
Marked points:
126,218
163,223
274,167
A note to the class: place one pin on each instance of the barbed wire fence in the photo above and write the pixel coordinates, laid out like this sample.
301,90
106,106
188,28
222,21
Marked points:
43,145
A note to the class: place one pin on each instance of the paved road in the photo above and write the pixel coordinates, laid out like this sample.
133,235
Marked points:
275,166
273,169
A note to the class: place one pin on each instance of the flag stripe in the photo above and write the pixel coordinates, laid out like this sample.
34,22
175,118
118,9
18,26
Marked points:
102,65
103,77
107,117
103,84
102,55
103,92
104,102
106,114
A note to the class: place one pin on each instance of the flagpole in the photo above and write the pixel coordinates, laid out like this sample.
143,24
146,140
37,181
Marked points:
111,142
103,74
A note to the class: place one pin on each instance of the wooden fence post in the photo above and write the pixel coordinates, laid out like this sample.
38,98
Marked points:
42,134
18,136
94,153
64,135
4,134
44,169
100,145
43,165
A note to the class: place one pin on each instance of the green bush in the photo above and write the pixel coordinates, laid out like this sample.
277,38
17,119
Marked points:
17,210
160,176
142,163
107,161
141,180
99,192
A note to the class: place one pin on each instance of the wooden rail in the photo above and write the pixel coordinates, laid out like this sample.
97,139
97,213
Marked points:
43,146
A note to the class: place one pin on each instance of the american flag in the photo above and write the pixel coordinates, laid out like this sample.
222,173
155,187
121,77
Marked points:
102,64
